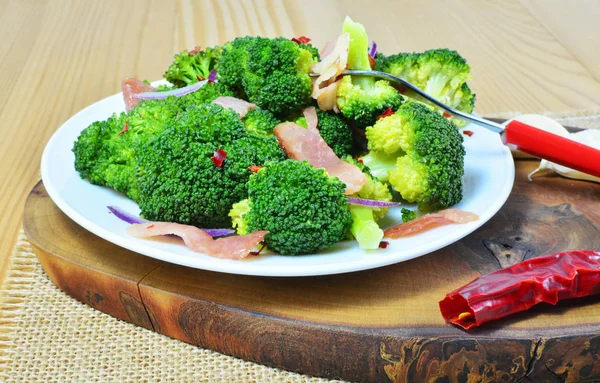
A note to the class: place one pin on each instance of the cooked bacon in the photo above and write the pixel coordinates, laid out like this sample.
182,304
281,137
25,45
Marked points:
430,221
307,145
332,64
237,105
312,121
131,86
235,247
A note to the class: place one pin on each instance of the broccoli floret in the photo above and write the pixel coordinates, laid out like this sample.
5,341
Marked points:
190,67
277,75
442,73
334,130
232,64
303,209
260,122
364,228
428,162
178,181
408,215
362,98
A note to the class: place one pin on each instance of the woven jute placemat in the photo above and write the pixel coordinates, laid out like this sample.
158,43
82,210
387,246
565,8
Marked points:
46,336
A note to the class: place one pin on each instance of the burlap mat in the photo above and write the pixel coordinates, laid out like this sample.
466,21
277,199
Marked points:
46,336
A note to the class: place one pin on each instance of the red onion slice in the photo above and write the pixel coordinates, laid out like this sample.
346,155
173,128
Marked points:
174,92
373,49
133,219
371,202
212,77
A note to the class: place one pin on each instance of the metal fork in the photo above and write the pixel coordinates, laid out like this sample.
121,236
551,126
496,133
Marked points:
517,135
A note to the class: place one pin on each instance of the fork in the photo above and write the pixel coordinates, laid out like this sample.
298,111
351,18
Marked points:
515,134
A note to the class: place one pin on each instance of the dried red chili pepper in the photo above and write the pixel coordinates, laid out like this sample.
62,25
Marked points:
218,157
301,40
550,278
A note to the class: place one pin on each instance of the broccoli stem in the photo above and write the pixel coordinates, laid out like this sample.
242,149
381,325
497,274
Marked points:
358,52
364,228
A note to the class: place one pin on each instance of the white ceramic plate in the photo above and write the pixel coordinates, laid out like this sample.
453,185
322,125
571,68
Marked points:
488,180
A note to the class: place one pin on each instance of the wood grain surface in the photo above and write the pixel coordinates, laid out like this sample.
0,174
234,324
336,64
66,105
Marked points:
57,57
375,325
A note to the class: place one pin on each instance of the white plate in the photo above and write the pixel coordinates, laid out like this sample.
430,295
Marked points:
488,180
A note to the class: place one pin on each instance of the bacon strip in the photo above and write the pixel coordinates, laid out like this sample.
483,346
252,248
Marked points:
131,86
332,64
312,121
235,247
430,221
307,145
239,106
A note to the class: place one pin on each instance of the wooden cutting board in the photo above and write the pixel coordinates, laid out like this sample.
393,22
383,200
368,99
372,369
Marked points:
372,326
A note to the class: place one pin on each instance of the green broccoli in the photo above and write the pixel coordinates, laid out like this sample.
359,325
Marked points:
442,73
362,98
333,129
179,179
276,76
232,64
408,215
260,122
420,153
303,209
364,228
190,67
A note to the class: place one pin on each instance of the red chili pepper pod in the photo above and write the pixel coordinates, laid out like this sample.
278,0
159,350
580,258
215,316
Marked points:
550,278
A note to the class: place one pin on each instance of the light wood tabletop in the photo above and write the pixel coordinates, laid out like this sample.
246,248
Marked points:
56,57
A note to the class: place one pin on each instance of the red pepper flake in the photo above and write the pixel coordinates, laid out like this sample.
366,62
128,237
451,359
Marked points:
196,49
218,157
301,40
383,244
256,253
401,89
150,226
467,133
447,115
125,128
255,168
372,62
387,113
200,78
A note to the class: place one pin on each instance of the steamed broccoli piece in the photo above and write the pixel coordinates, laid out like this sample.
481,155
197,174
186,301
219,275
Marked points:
362,98
232,64
188,68
364,228
271,73
442,73
260,122
178,181
205,94
276,76
334,130
422,154
303,209
408,215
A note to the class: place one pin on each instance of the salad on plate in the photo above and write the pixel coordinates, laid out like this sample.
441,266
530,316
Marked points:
261,144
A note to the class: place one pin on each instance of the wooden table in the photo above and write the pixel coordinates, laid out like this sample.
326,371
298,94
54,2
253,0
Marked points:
57,57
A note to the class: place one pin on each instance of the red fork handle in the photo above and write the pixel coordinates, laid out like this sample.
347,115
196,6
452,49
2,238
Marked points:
552,147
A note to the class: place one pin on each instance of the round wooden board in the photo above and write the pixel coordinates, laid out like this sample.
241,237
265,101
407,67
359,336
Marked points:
370,326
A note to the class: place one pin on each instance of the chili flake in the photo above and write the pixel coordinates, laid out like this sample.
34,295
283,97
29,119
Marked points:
196,49
387,113
125,128
255,168
218,157
467,133
447,115
301,40
372,62
383,244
